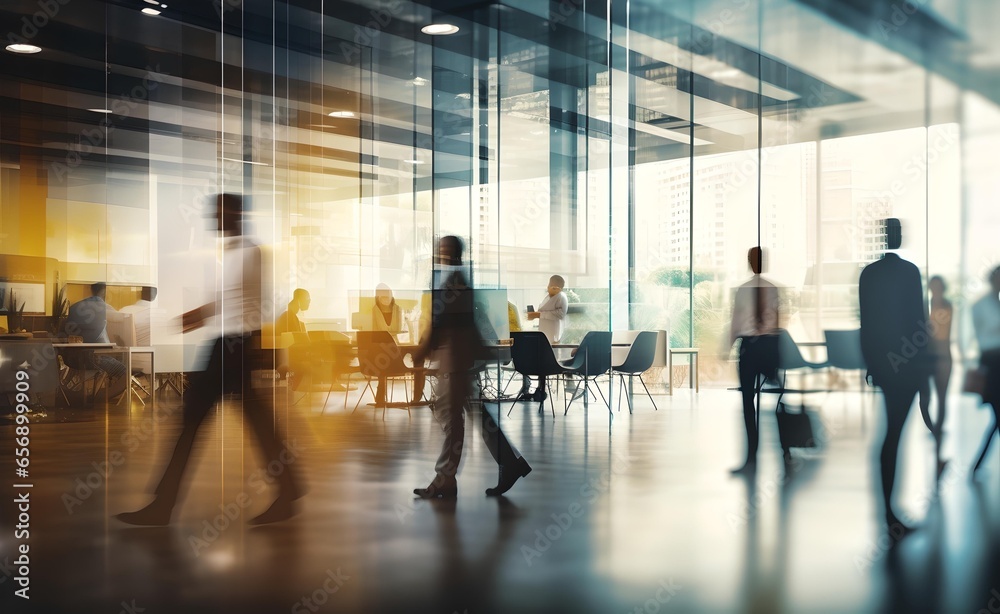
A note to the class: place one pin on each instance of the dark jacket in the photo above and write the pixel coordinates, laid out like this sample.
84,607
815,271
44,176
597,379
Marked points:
895,335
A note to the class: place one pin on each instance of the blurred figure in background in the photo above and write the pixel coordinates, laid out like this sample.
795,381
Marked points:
514,326
89,319
940,331
896,348
288,321
455,343
986,321
300,354
551,316
141,312
755,325
233,357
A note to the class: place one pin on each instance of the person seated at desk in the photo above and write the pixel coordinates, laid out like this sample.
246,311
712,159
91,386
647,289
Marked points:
141,312
387,316
300,355
89,319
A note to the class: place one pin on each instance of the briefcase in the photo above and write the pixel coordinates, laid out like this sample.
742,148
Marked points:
795,428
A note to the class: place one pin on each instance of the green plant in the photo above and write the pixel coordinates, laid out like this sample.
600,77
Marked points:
15,314
60,310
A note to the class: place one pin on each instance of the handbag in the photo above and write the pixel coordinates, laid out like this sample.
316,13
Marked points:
795,428
975,381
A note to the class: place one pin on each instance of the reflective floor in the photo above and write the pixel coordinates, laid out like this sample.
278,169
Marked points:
644,519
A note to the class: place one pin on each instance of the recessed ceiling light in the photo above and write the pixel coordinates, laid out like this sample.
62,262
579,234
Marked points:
419,81
150,11
155,2
23,48
414,161
105,111
439,29
341,114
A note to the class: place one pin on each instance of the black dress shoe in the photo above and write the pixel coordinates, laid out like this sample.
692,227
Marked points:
156,514
508,478
434,491
281,509
748,468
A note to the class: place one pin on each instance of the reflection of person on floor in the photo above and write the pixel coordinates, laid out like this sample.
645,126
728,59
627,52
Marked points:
755,325
551,315
234,355
895,347
89,319
300,353
940,333
986,321
455,343
387,316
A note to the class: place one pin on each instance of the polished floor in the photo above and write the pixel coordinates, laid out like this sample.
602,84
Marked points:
641,517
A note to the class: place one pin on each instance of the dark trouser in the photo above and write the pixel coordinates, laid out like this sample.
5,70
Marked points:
758,358
452,392
898,399
228,371
990,360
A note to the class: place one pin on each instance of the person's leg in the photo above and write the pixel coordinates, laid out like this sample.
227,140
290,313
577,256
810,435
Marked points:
540,393
924,402
898,399
988,439
511,464
380,390
199,397
748,391
419,380
449,413
942,376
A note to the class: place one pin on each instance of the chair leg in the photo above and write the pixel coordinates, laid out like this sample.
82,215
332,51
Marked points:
600,392
647,393
368,386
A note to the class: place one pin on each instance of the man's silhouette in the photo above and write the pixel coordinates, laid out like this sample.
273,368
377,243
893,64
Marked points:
755,324
234,355
456,342
895,342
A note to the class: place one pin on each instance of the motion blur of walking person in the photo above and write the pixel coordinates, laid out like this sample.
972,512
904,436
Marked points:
896,347
986,321
235,353
755,324
455,343
940,333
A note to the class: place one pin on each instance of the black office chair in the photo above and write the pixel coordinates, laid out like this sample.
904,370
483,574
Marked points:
639,359
533,356
592,360
379,356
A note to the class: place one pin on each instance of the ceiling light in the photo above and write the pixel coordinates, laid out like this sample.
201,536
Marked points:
341,114
414,161
419,81
105,111
155,2
246,162
23,48
150,11
439,29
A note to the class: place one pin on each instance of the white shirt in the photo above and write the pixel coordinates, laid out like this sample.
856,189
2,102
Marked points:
141,317
239,307
986,322
755,311
551,315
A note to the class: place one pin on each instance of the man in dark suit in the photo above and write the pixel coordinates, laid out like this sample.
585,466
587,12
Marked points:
455,343
895,342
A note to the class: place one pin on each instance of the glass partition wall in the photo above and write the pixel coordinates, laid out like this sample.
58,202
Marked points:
638,149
